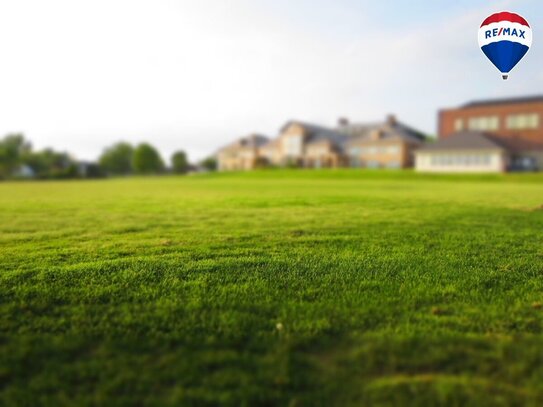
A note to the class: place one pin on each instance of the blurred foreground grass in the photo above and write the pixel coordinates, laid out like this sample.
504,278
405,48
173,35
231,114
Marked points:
273,288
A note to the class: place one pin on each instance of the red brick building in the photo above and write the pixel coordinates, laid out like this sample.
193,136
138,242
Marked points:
515,123
519,121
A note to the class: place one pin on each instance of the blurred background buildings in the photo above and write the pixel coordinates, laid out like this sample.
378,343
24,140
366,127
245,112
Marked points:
482,136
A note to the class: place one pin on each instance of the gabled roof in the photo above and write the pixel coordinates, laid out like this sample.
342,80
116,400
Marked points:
466,140
388,131
317,134
274,143
505,101
251,141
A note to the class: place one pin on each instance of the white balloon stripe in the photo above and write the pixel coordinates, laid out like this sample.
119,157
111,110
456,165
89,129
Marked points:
505,31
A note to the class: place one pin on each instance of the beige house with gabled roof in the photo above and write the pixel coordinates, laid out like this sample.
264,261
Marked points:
306,145
388,144
242,155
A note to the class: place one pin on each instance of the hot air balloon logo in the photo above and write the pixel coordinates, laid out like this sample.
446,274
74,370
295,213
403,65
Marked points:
505,38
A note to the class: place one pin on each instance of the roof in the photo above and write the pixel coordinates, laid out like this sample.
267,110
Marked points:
466,140
317,134
517,144
388,131
506,101
271,144
251,141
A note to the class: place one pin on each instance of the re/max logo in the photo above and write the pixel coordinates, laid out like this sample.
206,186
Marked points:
505,31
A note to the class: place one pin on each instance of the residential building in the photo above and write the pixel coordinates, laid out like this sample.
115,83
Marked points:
243,154
306,145
519,118
389,144
516,123
468,151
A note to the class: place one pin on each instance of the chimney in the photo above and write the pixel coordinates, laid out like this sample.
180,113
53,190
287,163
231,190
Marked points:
343,122
391,120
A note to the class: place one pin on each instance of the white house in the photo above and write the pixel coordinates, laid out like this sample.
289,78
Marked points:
470,151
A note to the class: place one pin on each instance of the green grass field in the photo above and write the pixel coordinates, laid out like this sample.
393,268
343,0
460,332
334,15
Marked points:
273,288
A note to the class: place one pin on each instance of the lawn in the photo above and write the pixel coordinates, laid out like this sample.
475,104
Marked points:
273,288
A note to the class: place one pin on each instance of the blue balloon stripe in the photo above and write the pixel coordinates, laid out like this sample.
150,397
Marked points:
505,55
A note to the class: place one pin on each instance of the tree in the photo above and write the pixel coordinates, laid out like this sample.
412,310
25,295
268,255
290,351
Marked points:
117,159
147,160
50,164
180,164
12,148
209,163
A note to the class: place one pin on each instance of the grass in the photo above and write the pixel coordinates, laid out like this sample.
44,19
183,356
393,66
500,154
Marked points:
273,288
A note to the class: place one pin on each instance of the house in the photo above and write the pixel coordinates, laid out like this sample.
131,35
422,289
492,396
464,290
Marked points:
513,125
243,154
389,144
306,145
466,151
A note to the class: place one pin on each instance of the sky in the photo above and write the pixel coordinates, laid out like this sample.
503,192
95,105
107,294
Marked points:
193,75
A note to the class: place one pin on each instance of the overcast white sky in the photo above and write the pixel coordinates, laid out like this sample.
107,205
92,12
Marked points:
78,75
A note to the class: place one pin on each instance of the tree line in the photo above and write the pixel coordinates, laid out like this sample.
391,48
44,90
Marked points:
19,160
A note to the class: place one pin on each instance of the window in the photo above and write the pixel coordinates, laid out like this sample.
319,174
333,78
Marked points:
355,162
354,151
317,150
486,123
294,146
392,150
524,163
459,125
444,160
523,121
